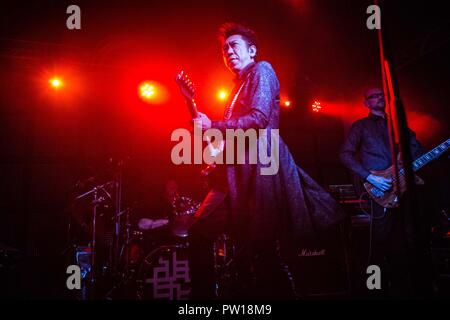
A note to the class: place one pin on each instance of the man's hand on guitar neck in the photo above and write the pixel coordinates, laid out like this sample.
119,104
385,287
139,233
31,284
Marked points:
380,182
202,121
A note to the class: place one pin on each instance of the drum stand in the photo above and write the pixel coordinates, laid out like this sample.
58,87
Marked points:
122,273
224,255
96,202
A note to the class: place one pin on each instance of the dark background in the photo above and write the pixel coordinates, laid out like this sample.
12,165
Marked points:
321,50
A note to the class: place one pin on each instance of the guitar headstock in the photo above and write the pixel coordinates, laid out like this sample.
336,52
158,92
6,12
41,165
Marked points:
186,85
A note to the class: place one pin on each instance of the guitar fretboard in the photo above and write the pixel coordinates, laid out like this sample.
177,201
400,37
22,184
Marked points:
431,155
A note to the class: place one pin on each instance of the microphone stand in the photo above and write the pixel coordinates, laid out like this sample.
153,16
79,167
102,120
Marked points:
400,141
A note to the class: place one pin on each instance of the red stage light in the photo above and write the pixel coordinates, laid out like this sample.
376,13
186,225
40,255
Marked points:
285,102
152,92
222,94
56,83
147,90
316,106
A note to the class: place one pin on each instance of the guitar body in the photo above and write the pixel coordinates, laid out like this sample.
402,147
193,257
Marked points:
390,198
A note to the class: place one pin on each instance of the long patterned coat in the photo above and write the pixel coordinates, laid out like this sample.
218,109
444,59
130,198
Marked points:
273,206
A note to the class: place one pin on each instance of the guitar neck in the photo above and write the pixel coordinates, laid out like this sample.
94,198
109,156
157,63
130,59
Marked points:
192,106
431,155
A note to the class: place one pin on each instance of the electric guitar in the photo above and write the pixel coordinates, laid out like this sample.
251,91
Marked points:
390,199
187,89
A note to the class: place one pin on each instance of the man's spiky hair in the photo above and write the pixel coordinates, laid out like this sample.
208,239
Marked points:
230,28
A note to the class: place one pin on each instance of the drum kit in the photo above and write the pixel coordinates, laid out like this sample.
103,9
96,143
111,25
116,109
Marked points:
146,260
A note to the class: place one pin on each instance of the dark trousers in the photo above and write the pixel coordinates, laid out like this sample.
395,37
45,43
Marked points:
401,251
389,251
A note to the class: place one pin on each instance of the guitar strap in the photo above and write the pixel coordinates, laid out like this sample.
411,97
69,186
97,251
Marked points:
229,109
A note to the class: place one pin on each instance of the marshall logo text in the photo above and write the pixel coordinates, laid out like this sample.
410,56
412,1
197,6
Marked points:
305,252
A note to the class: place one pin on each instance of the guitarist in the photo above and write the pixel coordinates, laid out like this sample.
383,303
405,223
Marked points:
366,149
265,209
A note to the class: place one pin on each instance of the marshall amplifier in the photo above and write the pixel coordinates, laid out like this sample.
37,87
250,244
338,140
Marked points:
322,265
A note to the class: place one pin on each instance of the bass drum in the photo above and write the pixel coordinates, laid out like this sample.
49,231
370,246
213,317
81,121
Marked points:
164,274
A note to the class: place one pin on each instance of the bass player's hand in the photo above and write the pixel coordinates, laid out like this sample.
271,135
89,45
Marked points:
380,182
